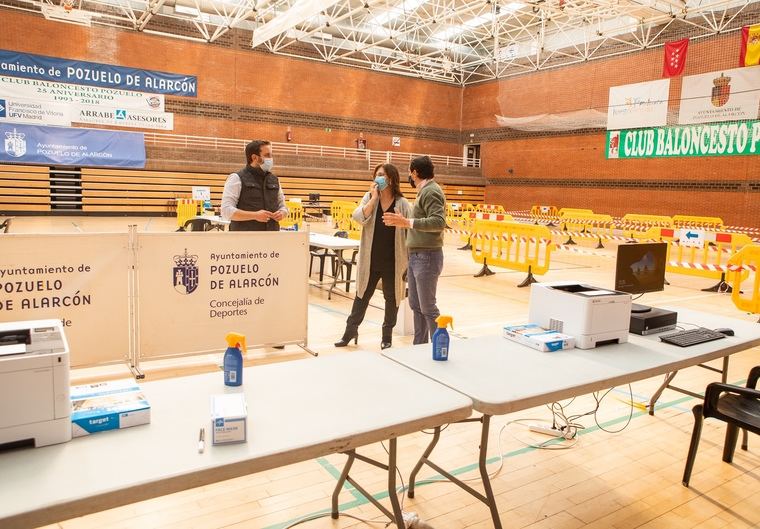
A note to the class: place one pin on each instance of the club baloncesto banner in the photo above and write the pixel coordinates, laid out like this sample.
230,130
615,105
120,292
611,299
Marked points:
739,138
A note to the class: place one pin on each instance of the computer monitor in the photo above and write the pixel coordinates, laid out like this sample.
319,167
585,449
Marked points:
640,268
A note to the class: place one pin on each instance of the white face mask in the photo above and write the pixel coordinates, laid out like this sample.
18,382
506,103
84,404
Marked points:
267,165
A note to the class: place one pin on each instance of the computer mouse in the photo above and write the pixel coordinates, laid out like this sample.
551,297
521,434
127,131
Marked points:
726,331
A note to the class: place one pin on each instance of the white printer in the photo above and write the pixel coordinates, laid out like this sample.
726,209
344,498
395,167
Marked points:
35,408
593,316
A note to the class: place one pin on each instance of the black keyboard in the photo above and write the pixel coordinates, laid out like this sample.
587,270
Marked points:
692,337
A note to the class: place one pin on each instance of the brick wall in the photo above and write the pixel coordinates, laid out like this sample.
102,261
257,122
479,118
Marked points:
570,169
246,94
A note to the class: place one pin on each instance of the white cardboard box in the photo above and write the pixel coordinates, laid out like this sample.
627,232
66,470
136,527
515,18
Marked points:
229,418
107,406
537,337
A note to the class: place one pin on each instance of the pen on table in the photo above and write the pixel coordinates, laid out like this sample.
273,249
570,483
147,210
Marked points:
201,440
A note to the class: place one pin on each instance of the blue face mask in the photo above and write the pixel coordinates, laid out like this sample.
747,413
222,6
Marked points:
267,165
381,182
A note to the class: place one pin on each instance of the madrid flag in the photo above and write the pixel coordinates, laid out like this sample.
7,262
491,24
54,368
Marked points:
675,57
749,54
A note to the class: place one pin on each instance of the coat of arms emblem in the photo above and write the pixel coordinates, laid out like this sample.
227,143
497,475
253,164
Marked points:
721,91
185,273
15,144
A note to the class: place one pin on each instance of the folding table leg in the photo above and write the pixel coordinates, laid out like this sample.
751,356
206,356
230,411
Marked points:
484,472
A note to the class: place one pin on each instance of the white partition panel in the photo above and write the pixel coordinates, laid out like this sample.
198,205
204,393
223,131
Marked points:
81,279
195,287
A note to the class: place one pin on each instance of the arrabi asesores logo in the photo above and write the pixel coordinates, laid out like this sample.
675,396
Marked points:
185,273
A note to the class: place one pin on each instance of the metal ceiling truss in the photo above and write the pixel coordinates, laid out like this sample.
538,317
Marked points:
451,41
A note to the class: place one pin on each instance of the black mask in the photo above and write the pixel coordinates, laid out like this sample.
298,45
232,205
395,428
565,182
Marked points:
411,181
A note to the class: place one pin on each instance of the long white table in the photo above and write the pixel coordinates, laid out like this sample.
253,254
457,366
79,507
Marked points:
502,376
296,411
338,245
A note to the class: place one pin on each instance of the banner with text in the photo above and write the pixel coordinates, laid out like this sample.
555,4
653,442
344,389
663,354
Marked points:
80,279
122,117
71,146
95,74
638,105
720,139
19,87
197,287
720,96
34,112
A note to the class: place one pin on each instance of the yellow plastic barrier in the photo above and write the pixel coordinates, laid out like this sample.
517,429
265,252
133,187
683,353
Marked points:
490,208
187,208
705,223
656,234
511,245
588,225
342,211
544,211
635,224
746,298
709,259
571,212
479,215
454,210
294,220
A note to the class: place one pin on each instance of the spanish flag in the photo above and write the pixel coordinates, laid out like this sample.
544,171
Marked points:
749,54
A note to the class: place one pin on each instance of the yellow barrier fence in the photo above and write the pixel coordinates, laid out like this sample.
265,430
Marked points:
187,208
572,212
489,208
709,258
544,211
592,225
511,245
294,220
704,223
634,225
342,211
746,297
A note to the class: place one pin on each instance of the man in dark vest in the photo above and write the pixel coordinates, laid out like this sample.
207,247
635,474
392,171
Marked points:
252,198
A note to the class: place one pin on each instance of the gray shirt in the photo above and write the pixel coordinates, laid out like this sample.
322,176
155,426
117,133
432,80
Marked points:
231,195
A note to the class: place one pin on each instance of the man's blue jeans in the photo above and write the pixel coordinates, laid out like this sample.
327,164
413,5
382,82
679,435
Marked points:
424,269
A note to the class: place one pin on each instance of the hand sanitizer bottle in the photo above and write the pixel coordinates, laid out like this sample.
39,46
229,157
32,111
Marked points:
441,338
233,359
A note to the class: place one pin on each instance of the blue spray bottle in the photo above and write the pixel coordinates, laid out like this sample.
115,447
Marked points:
441,338
233,359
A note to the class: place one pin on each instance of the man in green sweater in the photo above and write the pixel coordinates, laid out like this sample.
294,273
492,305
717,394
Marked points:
425,244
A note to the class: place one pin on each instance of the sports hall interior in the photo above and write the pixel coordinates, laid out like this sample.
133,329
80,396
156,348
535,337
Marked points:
623,469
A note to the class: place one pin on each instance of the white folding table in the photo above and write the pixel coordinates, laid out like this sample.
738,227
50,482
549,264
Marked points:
502,376
337,245
297,411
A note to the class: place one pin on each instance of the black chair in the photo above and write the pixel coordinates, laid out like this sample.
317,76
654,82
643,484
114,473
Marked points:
198,225
321,254
738,406
349,264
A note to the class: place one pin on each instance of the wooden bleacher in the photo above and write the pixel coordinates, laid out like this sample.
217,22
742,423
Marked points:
127,191
24,188
121,190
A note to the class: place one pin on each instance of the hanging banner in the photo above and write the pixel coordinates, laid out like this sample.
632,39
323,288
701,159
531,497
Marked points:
71,146
638,105
18,87
721,139
34,112
122,117
195,287
80,279
95,74
720,96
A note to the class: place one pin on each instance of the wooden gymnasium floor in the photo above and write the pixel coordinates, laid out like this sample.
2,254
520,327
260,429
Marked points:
608,480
